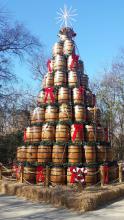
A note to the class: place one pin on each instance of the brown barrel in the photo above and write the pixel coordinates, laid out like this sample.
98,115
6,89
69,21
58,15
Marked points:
21,154
60,78
48,132
65,112
31,154
75,154
49,80
38,115
90,154
79,135
68,47
58,176
36,133
78,96
51,113
81,67
90,133
28,134
101,153
60,63
99,133
30,174
64,95
79,113
69,62
59,154
58,49
88,98
62,133
91,177
72,79
63,37
40,98
44,154
84,80
109,154
94,114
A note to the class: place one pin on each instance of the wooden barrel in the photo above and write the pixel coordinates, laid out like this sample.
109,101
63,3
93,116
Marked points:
59,154
49,80
72,79
90,154
79,113
21,154
91,177
58,49
90,133
48,132
101,153
94,114
109,154
51,113
58,176
64,95
65,112
60,78
63,37
37,115
40,98
75,154
81,67
31,154
84,80
36,133
78,96
88,98
69,62
44,154
62,133
60,63
99,133
79,135
28,134
68,47
30,174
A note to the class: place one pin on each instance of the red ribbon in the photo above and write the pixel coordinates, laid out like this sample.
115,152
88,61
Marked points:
106,174
75,59
78,128
81,91
106,134
49,91
49,66
78,174
73,174
24,137
40,176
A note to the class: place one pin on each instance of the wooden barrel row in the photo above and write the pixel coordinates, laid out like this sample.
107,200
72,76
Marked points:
65,112
61,154
64,132
62,78
61,176
66,48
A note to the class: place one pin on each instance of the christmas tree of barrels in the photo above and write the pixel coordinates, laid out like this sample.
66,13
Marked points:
65,130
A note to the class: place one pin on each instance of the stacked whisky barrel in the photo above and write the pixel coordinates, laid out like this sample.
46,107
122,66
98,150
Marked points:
66,125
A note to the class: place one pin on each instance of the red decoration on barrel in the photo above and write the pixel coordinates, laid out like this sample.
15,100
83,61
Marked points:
78,128
81,90
75,59
49,91
40,176
49,66
78,174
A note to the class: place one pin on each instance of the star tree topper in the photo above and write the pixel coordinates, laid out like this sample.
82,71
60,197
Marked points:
66,16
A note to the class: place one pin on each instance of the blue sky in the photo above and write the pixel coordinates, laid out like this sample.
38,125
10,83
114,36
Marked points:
99,27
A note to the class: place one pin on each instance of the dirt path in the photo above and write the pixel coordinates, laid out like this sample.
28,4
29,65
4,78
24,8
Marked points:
13,208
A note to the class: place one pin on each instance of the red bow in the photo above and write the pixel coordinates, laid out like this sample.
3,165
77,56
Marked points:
49,91
78,128
106,134
106,174
40,176
78,174
75,59
24,137
49,66
73,174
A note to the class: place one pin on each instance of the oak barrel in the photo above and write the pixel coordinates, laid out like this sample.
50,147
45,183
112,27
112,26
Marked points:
62,132
60,63
58,176
60,78
28,134
91,177
21,154
73,79
48,132
78,96
90,133
64,95
30,174
36,133
31,154
75,154
68,47
44,154
38,115
90,154
65,112
51,113
59,154
101,153
79,113
58,49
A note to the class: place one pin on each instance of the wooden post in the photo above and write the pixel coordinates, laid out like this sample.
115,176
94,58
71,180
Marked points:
21,174
102,175
0,171
47,176
120,173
